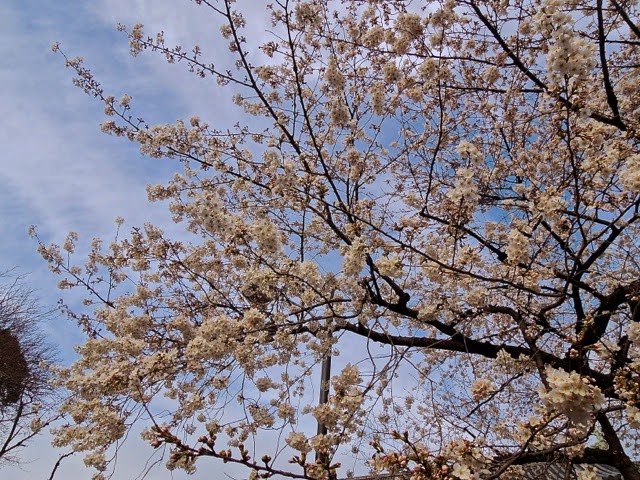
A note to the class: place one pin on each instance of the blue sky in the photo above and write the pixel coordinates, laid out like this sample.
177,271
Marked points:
61,173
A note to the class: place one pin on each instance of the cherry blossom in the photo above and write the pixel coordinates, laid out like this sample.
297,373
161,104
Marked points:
442,197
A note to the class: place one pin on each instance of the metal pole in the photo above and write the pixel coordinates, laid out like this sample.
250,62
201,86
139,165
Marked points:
325,380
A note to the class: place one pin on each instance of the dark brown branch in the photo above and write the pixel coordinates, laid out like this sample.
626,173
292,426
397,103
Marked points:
526,71
593,331
589,456
612,100
622,461
461,344
57,464
625,16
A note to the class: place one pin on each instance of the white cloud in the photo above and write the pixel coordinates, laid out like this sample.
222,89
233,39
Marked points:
61,173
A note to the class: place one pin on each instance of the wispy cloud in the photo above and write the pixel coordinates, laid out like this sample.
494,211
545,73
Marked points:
60,172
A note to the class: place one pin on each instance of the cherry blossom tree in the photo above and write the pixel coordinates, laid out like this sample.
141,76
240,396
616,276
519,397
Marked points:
443,196
26,392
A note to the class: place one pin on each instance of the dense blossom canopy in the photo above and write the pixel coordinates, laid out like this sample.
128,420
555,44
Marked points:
444,196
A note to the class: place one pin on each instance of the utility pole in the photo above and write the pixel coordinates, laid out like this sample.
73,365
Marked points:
325,384
325,380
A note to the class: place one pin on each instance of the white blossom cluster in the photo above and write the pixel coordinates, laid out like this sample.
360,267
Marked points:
378,98
630,175
214,218
298,441
338,413
517,246
334,77
266,235
307,13
339,113
465,190
391,73
468,150
374,37
572,395
354,258
481,388
568,54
